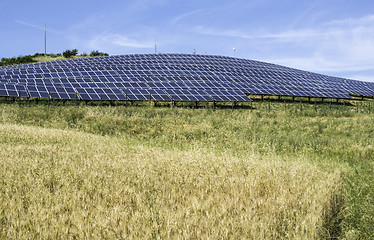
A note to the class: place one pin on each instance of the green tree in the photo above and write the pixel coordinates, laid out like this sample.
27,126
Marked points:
97,53
70,53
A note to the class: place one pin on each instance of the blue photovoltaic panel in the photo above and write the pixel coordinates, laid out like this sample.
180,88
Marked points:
165,77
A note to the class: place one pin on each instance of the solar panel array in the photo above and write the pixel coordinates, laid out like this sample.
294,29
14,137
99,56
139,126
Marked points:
170,77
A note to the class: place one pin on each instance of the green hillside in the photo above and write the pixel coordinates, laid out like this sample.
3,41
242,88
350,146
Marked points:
40,57
150,172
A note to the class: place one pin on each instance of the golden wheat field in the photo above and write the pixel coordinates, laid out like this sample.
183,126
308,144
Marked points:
67,183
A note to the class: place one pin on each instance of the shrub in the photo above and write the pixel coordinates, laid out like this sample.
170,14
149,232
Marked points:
97,53
16,60
70,53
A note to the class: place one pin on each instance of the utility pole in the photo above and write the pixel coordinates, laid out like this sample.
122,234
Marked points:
45,40
155,47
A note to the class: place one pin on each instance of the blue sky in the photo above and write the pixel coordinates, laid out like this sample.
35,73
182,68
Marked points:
334,37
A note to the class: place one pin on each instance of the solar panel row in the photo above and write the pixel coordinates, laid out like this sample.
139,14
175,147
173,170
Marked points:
165,77
121,94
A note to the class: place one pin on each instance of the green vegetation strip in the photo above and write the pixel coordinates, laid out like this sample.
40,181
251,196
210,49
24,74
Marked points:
147,172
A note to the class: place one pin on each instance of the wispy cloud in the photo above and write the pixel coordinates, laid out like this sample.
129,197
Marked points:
368,78
290,35
31,25
335,46
305,13
365,20
105,41
185,15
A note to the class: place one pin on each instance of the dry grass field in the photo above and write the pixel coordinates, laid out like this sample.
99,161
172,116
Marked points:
159,173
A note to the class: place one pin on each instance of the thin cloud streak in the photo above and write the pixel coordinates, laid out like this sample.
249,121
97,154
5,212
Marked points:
39,27
291,35
115,39
185,15
29,24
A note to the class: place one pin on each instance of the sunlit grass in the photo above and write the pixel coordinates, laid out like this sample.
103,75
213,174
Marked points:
145,172
54,58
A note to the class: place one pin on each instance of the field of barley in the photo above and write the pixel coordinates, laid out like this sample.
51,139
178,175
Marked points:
145,172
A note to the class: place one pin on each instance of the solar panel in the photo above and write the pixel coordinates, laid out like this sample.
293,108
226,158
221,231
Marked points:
166,77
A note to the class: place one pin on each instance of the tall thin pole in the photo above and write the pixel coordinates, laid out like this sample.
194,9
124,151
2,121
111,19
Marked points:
155,47
45,40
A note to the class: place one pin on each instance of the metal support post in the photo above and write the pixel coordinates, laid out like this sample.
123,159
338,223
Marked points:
301,107
19,98
315,105
251,106
49,99
369,107
357,107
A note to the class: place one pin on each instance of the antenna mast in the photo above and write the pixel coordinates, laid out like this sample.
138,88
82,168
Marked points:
45,40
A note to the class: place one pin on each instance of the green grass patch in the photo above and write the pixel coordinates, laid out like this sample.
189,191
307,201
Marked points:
334,144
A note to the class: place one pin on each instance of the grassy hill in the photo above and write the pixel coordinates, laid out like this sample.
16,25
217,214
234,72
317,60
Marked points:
154,172
40,57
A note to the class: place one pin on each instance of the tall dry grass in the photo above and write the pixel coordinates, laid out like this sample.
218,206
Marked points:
58,184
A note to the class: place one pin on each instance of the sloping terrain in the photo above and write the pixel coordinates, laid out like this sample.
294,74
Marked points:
159,173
